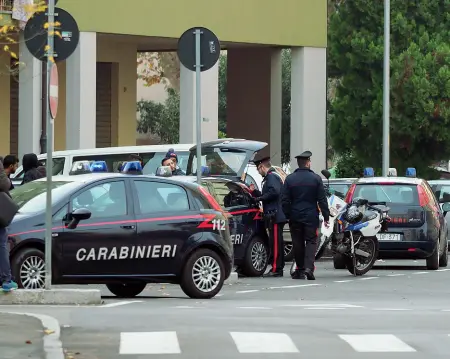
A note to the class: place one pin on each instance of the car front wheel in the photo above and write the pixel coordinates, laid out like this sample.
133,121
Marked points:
126,290
203,274
28,268
256,258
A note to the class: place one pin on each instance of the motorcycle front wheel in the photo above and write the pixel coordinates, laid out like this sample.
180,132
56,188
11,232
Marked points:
363,264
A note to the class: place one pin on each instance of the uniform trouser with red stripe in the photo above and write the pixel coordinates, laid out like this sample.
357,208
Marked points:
304,240
276,246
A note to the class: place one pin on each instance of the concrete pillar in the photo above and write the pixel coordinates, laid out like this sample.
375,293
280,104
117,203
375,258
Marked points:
276,90
30,92
81,72
210,105
308,105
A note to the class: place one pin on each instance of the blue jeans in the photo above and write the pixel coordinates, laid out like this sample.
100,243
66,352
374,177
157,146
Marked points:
5,267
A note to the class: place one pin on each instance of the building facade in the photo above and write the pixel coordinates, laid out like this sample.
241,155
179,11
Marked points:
97,84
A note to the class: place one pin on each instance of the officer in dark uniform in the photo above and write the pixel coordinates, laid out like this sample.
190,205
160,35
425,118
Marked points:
272,186
302,191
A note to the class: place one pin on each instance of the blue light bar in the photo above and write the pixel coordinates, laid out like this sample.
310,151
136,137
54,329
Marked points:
411,172
369,172
205,171
132,166
99,166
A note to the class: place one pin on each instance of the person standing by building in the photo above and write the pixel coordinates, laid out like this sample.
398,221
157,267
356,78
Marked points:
302,191
270,197
10,164
5,267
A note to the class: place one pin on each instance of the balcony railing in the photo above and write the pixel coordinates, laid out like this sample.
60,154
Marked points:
6,6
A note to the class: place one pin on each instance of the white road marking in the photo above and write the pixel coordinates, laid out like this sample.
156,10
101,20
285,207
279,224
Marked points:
343,281
376,343
118,304
324,308
368,278
184,307
295,286
395,275
254,308
260,343
443,270
421,273
324,305
149,343
247,291
392,309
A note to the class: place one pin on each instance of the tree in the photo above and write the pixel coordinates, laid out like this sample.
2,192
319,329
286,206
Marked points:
159,67
420,81
348,166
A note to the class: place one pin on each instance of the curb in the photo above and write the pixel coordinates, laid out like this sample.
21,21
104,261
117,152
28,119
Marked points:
52,344
52,297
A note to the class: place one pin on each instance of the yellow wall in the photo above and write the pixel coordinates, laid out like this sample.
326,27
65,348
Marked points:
4,103
123,126
282,22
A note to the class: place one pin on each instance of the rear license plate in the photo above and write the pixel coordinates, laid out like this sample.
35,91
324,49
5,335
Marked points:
388,237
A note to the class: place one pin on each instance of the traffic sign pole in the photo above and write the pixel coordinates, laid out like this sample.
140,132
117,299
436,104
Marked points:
198,103
48,211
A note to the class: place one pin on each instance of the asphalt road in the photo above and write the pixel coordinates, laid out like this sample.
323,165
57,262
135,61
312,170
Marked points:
396,311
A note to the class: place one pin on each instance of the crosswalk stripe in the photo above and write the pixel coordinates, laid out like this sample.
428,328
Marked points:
259,343
149,343
376,343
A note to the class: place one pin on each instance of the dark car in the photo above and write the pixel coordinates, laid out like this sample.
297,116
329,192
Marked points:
441,190
417,229
248,234
123,231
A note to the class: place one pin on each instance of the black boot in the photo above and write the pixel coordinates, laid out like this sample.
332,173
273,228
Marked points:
309,274
273,274
298,275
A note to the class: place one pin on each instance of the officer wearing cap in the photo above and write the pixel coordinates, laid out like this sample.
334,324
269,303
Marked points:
272,186
302,191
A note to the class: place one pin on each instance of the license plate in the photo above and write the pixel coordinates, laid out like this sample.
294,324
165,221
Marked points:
389,237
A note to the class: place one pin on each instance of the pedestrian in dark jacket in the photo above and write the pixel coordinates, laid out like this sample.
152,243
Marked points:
303,192
10,164
30,165
275,220
5,267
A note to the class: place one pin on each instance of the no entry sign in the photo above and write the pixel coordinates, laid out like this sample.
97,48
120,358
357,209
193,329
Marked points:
53,91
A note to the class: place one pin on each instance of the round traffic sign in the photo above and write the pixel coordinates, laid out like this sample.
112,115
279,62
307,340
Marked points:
209,49
53,91
66,38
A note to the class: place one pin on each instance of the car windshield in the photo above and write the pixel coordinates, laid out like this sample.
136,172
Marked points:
31,197
390,193
339,189
219,161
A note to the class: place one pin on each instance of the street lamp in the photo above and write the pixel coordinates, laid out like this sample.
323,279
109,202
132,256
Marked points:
386,88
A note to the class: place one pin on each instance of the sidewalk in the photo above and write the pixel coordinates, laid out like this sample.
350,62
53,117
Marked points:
21,337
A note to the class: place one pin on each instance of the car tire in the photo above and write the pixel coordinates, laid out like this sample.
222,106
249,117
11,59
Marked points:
433,260
206,259
339,261
29,257
256,248
443,261
126,290
288,252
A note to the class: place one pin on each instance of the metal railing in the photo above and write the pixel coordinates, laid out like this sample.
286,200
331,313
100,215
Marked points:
6,6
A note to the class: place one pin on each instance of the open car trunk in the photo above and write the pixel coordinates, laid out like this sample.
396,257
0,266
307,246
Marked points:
226,158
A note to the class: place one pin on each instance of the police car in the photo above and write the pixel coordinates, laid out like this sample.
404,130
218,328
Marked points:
417,229
122,230
246,226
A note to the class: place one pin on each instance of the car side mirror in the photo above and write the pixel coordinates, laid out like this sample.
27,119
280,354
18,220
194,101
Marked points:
326,174
446,207
78,215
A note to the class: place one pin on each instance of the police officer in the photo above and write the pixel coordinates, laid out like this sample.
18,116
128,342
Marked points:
272,186
302,191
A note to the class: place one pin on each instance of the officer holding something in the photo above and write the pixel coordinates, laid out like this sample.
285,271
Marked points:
272,186
302,191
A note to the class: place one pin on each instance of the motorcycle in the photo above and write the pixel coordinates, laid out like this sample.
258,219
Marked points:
352,231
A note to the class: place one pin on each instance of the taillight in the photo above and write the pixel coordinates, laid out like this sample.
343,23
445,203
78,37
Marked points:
423,198
211,200
349,195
